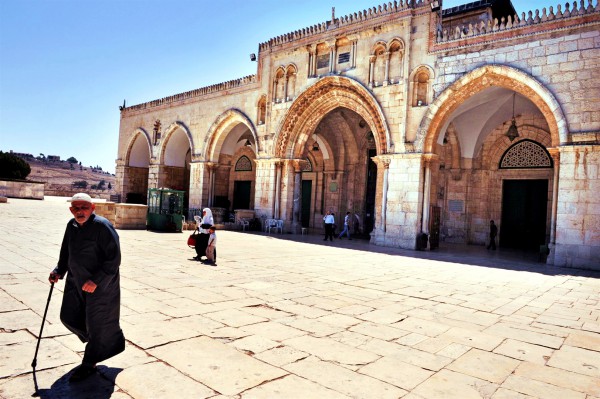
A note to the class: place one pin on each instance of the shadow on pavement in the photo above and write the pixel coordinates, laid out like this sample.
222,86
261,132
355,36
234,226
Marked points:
101,385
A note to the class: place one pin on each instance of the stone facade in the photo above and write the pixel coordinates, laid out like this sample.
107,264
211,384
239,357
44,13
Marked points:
398,114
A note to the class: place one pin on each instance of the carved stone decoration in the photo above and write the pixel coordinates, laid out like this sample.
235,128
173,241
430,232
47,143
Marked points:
526,154
307,166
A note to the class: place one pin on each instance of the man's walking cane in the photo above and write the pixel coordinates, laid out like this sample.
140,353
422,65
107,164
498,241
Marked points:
34,362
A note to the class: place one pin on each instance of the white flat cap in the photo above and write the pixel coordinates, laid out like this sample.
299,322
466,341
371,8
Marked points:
82,197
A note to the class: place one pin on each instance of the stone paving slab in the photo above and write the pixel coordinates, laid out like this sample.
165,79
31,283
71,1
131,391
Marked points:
214,364
279,318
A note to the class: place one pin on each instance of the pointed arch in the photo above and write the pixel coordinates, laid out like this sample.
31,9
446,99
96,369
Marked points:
504,76
219,130
316,101
168,134
139,132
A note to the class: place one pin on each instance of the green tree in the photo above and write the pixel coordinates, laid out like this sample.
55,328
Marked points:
13,167
109,186
101,184
80,184
72,160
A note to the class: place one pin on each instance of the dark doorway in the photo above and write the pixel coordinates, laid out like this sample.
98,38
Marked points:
524,207
306,196
369,222
241,194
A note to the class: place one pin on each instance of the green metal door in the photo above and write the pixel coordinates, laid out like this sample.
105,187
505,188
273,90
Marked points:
306,196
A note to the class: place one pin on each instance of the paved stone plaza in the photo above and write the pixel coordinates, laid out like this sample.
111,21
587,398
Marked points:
288,317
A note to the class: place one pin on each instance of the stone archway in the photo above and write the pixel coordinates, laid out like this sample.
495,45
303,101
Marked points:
136,168
478,80
318,100
231,138
468,188
347,124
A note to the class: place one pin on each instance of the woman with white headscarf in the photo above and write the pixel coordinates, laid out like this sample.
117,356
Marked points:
202,240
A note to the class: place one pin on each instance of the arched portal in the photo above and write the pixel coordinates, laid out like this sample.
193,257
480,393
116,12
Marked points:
137,161
465,128
336,126
175,158
230,152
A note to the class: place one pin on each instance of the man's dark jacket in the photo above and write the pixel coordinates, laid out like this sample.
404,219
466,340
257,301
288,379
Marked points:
92,252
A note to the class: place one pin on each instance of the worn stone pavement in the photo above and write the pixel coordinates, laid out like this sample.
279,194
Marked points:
284,316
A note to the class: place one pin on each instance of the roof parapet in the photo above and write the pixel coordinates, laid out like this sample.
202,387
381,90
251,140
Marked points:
532,18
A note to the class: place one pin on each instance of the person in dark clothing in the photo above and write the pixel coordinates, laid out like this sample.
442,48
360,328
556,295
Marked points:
493,234
90,256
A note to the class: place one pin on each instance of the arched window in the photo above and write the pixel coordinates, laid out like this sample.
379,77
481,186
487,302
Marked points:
379,54
261,113
279,85
421,87
290,77
243,164
526,154
396,49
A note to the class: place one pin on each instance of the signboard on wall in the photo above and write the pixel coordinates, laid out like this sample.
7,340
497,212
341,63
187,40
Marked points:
456,206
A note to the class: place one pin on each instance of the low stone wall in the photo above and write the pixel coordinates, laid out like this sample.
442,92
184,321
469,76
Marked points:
107,210
130,216
123,216
22,189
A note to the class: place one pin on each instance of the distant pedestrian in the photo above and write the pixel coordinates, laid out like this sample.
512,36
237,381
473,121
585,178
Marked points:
202,239
346,226
90,256
329,220
211,247
493,234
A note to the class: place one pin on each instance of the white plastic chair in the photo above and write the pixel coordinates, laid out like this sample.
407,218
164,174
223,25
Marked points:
279,226
244,223
270,225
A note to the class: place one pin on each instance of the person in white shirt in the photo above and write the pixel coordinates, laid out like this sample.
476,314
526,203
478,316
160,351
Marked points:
211,246
329,220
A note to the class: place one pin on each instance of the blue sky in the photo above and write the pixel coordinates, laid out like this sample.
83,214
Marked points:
67,65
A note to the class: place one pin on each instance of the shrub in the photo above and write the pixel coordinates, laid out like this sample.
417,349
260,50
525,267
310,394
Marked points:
13,167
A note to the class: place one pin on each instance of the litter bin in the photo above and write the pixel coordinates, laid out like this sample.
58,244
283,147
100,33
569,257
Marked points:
165,209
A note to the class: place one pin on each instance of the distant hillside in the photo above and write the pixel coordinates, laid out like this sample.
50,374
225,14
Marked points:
64,179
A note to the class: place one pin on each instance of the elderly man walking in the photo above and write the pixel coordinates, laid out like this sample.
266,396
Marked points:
90,256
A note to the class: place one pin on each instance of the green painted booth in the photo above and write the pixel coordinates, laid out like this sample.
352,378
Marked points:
165,209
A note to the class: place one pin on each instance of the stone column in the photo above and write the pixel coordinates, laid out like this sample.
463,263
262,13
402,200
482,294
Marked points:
277,191
197,183
265,187
212,169
297,165
332,48
371,69
386,78
385,163
354,40
427,159
555,153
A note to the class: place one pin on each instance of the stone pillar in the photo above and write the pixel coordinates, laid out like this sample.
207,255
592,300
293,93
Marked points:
384,162
297,165
197,183
371,69
427,160
265,187
332,48
386,78
277,191
212,169
354,40
554,152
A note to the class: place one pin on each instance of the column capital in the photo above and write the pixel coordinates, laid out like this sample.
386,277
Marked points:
430,157
554,153
382,161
